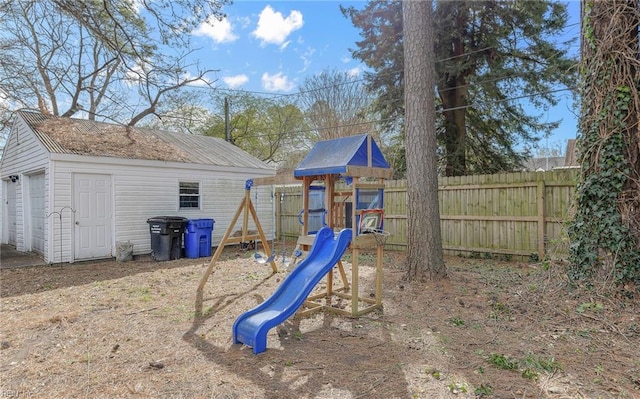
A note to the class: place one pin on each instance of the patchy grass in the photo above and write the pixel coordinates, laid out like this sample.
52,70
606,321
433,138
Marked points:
492,329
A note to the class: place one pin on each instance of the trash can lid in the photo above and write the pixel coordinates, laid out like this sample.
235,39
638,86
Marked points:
200,223
166,219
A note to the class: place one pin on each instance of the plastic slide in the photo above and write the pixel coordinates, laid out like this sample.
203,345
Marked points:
251,327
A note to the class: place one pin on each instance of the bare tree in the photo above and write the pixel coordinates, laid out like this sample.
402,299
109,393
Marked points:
102,59
185,112
50,63
335,105
424,242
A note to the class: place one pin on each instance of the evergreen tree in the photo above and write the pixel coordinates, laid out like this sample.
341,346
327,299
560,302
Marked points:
490,56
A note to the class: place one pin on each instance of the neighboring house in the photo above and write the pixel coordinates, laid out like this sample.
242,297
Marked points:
544,163
73,188
549,163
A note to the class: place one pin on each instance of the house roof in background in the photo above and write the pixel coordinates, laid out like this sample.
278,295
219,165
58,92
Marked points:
100,139
569,160
544,163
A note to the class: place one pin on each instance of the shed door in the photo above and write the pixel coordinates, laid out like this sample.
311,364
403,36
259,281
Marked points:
11,212
37,212
92,198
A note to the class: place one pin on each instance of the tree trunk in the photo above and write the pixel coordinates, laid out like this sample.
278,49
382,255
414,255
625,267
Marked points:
455,133
454,94
424,250
605,233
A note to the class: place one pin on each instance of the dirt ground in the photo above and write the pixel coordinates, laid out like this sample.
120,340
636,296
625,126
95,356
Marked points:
492,329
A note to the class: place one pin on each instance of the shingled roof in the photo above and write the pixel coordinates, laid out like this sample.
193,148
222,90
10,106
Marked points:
101,139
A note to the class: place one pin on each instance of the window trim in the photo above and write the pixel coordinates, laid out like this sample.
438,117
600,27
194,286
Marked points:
181,195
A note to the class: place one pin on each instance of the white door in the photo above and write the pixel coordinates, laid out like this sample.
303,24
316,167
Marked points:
11,213
36,186
92,199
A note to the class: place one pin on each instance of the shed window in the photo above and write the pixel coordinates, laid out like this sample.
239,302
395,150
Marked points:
189,195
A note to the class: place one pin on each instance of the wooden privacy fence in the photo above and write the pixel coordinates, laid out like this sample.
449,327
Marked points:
510,214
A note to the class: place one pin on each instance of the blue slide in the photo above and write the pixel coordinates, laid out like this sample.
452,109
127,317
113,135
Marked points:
251,327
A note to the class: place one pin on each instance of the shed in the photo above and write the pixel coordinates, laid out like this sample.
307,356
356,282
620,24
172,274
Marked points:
73,188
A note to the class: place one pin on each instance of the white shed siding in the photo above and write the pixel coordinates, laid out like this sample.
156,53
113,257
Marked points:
9,212
150,188
61,198
23,154
37,212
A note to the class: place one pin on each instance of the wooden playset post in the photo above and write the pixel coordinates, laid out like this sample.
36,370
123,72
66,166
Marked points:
374,239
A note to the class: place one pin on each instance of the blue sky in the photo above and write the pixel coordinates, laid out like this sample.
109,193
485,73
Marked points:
272,46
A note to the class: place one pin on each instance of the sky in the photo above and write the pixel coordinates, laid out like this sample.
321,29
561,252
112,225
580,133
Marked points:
270,47
273,46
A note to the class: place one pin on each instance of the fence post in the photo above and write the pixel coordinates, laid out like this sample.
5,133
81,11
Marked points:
541,214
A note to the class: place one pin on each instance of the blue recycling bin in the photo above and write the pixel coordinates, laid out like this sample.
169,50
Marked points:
197,238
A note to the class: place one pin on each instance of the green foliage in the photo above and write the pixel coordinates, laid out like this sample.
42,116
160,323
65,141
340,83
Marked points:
483,390
534,362
478,126
503,362
597,306
603,247
500,311
530,374
457,387
435,373
530,366
264,128
597,232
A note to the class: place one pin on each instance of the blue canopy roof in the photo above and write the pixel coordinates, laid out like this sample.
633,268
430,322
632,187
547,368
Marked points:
337,155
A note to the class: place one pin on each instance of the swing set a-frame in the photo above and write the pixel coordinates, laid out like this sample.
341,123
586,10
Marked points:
245,209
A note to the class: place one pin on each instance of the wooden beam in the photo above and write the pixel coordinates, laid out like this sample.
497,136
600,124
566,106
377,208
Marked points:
363,171
541,217
275,180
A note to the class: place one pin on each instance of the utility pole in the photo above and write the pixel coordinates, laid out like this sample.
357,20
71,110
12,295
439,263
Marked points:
227,131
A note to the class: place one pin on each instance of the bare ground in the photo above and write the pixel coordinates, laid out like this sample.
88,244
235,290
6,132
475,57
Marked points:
492,329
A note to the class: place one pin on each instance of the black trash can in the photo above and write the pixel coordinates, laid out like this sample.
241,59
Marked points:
166,236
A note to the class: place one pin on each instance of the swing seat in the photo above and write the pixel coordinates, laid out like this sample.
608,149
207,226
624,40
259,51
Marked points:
263,259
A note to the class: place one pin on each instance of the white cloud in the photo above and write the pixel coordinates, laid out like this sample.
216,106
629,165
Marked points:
306,58
354,72
219,31
284,45
134,75
273,28
277,82
235,81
